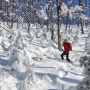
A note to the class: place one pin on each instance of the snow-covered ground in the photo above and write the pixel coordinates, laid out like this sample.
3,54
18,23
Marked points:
39,65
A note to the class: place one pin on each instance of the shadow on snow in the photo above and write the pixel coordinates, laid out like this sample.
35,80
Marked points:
54,77
3,62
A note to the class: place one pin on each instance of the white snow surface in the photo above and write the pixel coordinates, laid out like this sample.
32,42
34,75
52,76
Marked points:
7,0
39,66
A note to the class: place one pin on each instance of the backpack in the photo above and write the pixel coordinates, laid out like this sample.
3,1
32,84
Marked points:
70,46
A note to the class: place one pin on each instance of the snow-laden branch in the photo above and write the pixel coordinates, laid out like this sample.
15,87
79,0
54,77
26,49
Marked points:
75,9
64,9
84,17
7,0
41,14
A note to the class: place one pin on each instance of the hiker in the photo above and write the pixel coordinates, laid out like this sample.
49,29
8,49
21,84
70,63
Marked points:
67,48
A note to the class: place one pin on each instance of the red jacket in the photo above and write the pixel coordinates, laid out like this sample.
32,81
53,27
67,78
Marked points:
66,48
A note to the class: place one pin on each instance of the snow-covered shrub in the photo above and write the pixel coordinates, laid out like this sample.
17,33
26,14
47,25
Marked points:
17,51
1,33
14,56
19,62
4,44
12,36
7,38
85,84
31,81
75,39
83,60
87,46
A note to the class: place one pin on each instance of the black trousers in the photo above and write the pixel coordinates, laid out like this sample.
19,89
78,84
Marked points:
67,56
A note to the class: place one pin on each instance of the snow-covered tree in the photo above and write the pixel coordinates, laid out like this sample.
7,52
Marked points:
85,61
85,84
19,61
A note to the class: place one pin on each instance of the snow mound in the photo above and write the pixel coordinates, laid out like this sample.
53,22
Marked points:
61,73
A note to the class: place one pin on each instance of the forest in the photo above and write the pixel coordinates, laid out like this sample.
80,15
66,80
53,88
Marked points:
46,12
31,43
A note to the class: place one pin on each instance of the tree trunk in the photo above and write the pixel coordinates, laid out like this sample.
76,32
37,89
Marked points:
67,21
52,31
28,27
82,27
51,20
13,13
80,4
58,16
